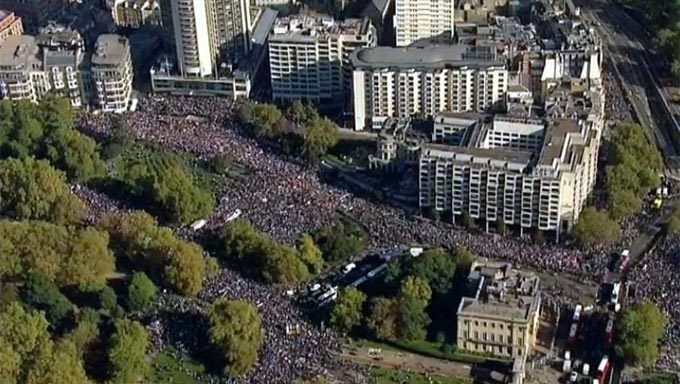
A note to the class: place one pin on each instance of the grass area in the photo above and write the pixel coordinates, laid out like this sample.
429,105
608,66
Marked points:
391,376
156,157
170,367
658,378
429,348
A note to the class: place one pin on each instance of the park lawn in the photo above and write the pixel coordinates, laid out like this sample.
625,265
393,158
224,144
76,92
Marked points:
392,376
428,348
168,367
157,157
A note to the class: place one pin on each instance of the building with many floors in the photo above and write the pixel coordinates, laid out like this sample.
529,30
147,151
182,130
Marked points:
111,73
402,82
309,56
137,13
10,25
527,172
423,20
502,317
55,61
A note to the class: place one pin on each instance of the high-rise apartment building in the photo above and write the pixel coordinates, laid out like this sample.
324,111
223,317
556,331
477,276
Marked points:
111,72
402,82
195,38
525,172
10,25
309,56
55,61
232,28
420,20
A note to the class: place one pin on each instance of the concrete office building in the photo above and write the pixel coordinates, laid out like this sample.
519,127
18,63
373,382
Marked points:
530,173
111,73
309,56
195,38
402,82
419,20
10,25
502,318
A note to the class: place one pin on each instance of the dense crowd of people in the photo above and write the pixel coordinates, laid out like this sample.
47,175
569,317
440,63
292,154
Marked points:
284,199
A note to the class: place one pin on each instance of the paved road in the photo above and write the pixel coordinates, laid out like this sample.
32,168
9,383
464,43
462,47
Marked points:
629,48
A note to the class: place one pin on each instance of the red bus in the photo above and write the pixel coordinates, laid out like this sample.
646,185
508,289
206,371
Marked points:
603,370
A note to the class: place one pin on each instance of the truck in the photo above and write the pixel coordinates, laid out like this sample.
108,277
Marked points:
348,268
616,290
573,334
577,313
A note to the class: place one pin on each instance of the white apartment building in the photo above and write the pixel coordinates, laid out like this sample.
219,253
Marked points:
195,40
528,173
416,20
309,56
402,82
55,61
111,72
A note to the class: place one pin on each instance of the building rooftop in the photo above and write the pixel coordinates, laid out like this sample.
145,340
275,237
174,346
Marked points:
18,51
431,56
110,50
503,293
311,27
263,26
493,157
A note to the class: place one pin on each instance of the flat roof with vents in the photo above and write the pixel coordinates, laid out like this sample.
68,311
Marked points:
110,50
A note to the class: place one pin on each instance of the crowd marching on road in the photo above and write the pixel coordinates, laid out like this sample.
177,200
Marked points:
285,199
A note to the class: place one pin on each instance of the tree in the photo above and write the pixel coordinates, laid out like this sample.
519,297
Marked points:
301,113
64,256
107,299
347,311
261,256
310,254
127,352
340,240
319,135
673,223
32,189
41,294
75,153
412,300
383,319
178,196
25,135
141,291
435,266
157,250
236,331
265,118
121,138
86,332
595,227
28,355
639,330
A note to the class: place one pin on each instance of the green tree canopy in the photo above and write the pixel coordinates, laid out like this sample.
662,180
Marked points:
127,352
639,331
348,308
141,291
179,197
28,355
75,154
261,256
43,295
383,319
340,241
301,113
180,265
65,256
673,223
310,254
319,135
265,118
435,266
595,227
236,330
32,189
412,301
